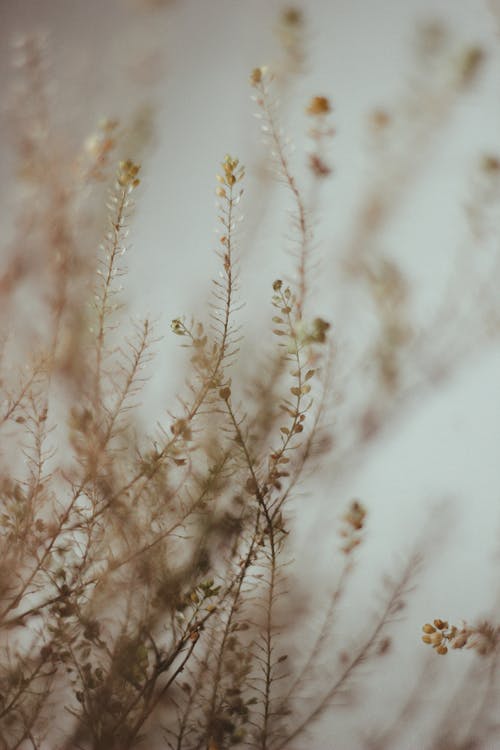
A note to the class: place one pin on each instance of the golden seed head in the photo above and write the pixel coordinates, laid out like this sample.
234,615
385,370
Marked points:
426,639
442,650
127,174
233,172
229,164
178,327
440,624
256,76
355,515
428,628
319,105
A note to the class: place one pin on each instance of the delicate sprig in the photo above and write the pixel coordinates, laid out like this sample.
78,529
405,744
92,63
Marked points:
261,80
120,206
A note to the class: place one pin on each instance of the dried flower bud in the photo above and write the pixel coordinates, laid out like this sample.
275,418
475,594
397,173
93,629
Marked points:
441,624
319,105
256,76
127,174
355,515
233,173
354,520
461,640
318,167
178,327
436,638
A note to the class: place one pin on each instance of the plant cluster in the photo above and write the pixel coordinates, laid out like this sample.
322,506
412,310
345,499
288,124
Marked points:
144,585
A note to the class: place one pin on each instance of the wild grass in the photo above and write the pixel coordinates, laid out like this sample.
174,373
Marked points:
145,586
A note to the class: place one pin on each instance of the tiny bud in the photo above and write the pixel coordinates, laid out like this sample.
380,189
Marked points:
460,640
490,164
256,76
440,624
177,327
470,65
379,119
319,105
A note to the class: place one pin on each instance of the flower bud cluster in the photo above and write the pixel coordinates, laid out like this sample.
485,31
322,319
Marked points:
232,173
354,521
127,174
483,638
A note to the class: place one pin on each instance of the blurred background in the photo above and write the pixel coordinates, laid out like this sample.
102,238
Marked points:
177,73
